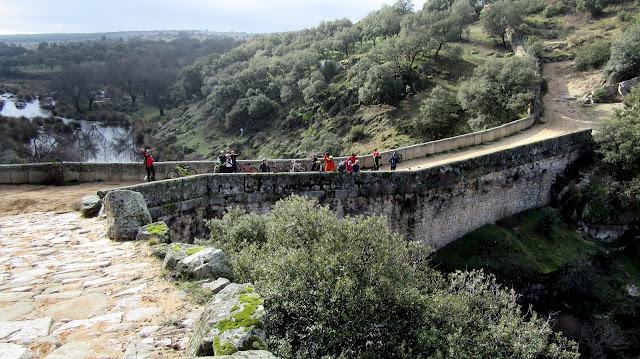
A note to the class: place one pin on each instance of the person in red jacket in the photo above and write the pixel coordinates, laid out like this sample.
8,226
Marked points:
148,164
330,165
352,158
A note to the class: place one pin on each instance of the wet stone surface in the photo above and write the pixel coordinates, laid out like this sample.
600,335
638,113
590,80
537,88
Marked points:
67,291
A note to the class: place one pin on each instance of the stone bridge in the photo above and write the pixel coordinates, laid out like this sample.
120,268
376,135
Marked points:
435,205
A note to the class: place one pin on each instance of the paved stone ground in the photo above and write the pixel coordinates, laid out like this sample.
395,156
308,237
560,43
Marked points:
67,291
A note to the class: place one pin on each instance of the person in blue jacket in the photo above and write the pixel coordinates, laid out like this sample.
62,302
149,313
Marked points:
394,161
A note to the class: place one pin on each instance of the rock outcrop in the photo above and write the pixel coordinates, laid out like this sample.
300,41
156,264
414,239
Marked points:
231,322
126,212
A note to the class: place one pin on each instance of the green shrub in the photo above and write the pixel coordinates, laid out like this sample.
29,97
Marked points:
357,133
593,56
349,288
591,7
600,95
553,9
534,46
625,56
624,16
439,114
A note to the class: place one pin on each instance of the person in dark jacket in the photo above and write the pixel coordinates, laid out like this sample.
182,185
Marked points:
264,167
394,161
234,161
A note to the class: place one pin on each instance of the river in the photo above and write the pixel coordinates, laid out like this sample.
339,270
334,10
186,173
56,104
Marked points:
96,141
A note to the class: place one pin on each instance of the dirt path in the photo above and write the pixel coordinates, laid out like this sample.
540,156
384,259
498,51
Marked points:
563,113
18,199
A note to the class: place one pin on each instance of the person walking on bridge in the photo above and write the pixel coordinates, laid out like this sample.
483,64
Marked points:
148,164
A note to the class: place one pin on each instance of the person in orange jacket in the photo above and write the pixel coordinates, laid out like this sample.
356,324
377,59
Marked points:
330,165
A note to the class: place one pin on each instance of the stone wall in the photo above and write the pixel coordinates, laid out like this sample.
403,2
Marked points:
95,172
436,205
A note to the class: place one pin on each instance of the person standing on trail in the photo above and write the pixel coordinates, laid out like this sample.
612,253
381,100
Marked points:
376,160
394,161
330,165
148,164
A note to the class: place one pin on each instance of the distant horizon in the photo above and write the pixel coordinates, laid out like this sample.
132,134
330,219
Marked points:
39,17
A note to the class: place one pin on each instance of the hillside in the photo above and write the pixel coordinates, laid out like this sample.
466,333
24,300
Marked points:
341,89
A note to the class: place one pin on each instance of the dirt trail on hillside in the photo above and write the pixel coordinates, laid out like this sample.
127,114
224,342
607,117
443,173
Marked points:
563,114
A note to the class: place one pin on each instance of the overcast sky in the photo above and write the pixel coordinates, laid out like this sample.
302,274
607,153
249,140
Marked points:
253,16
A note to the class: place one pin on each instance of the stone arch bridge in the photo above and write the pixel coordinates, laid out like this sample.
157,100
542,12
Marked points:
435,205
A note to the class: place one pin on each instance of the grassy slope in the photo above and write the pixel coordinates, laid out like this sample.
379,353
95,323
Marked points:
529,245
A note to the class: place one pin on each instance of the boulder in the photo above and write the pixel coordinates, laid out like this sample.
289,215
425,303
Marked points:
231,322
193,261
217,285
207,263
625,87
126,212
154,233
91,205
14,351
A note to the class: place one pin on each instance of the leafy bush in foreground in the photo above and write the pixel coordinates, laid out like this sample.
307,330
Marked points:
349,288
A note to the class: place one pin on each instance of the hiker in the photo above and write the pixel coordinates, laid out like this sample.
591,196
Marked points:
376,159
315,164
356,166
264,167
342,166
148,165
228,164
352,158
349,166
394,161
330,165
222,160
234,161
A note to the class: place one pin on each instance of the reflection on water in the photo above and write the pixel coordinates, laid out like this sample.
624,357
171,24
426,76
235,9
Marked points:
92,140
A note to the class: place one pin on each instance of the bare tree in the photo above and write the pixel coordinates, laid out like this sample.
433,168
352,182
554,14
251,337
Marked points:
127,75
